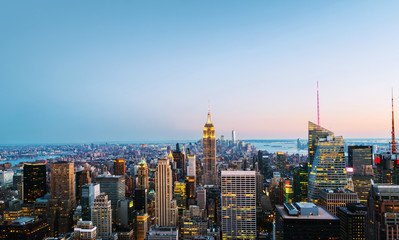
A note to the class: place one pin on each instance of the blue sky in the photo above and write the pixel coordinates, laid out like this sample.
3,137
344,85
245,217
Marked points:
82,71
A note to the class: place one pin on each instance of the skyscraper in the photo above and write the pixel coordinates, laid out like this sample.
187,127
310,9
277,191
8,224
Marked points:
301,177
315,133
383,216
62,201
142,175
191,166
180,161
164,194
210,176
82,178
238,204
233,137
89,194
352,219
101,216
34,181
328,168
359,157
119,166
114,187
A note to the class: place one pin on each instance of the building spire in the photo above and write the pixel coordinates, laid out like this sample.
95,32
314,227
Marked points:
209,114
393,142
318,112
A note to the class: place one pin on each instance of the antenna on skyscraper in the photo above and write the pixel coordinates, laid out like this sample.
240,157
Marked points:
318,113
393,142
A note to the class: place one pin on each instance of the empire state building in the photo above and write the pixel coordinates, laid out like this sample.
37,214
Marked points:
210,176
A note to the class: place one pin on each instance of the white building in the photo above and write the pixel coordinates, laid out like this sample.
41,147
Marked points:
191,166
85,230
6,177
238,204
101,216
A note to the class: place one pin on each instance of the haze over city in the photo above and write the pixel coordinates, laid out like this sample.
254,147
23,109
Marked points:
94,71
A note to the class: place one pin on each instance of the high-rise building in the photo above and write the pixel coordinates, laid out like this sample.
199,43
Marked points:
142,175
315,133
140,200
238,204
101,216
85,230
114,187
191,166
332,199
179,159
383,215
142,225
180,194
82,177
201,197
210,175
119,166
328,169
301,177
190,190
362,186
352,221
164,194
62,201
233,137
305,221
126,213
387,170
359,157
89,193
6,178
35,185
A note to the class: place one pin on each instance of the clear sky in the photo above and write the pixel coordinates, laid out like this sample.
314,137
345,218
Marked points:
83,71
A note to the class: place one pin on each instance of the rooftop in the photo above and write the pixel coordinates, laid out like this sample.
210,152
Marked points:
323,214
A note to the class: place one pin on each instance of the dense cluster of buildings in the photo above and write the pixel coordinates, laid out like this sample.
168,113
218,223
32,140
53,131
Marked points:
212,189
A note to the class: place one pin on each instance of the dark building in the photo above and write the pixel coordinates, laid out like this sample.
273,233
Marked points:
387,170
81,178
34,181
27,228
119,166
140,200
352,221
383,212
359,157
190,190
305,221
213,203
180,161
300,186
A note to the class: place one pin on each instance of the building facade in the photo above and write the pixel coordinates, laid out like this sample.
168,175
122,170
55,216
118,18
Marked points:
101,216
35,185
209,173
238,204
328,169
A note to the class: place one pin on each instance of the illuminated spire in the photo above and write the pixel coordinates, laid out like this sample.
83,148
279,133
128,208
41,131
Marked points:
393,142
170,154
318,113
209,114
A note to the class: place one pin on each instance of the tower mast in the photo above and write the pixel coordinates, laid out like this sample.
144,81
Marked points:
393,142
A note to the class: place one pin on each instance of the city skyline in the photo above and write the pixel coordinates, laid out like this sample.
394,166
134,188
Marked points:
103,72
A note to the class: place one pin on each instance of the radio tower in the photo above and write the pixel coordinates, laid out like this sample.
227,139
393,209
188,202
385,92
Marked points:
318,113
393,142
